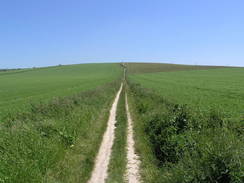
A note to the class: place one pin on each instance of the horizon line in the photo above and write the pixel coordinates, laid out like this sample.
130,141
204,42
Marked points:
122,61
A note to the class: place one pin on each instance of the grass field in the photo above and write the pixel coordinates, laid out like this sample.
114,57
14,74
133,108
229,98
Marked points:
219,89
56,138
189,124
137,68
19,88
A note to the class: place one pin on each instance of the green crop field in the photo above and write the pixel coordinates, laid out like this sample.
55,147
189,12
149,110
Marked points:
53,121
220,89
19,88
188,122
137,68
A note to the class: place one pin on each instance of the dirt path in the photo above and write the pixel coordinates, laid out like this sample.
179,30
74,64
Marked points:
99,173
133,162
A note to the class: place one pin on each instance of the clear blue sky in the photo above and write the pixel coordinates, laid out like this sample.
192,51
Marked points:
50,32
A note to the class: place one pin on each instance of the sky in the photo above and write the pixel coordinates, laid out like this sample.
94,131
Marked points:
51,32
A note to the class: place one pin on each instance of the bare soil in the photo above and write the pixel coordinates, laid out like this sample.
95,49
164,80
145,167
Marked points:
99,173
133,162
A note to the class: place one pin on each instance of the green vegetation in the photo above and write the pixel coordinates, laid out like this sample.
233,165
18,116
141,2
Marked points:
149,170
19,88
219,89
118,160
188,122
186,127
136,68
55,139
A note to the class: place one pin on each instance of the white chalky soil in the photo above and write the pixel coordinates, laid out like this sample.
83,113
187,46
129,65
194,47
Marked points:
99,173
133,162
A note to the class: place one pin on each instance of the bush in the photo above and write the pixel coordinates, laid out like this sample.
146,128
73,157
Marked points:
191,146
217,158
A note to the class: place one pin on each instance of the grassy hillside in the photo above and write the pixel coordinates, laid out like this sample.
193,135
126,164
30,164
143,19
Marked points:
56,138
220,89
189,125
21,87
136,68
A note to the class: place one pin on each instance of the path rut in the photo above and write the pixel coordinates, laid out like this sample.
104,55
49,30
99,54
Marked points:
133,162
100,171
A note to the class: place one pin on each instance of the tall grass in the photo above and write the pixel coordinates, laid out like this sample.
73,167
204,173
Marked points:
55,141
178,144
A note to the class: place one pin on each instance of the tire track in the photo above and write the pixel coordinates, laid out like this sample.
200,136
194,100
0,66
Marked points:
99,173
133,162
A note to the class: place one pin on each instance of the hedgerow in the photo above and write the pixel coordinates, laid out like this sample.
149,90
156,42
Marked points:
190,145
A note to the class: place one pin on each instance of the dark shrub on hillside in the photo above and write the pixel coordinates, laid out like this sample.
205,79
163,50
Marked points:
163,128
192,146
160,130
217,158
181,117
